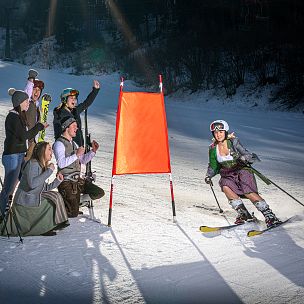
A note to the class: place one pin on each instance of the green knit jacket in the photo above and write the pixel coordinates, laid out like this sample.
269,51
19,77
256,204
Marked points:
238,152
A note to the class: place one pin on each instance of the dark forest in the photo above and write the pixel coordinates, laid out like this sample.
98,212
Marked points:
195,44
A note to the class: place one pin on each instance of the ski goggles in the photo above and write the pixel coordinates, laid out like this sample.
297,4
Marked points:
217,126
73,93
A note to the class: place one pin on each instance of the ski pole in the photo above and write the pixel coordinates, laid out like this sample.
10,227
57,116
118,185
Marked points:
211,186
260,174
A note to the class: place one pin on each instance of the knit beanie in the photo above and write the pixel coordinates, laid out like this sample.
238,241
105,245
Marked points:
66,122
18,96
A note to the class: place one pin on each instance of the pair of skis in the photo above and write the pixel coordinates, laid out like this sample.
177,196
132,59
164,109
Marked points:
254,232
45,102
89,175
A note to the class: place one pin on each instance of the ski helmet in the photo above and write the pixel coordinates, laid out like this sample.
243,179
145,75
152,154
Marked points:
68,92
219,125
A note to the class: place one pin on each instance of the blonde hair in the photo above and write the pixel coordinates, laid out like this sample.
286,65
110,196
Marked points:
39,154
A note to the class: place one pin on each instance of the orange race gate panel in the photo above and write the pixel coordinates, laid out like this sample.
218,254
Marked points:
141,144
141,141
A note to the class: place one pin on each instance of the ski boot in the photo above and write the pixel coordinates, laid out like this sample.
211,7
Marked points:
243,213
270,218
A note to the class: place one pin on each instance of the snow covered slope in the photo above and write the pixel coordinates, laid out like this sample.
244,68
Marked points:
145,257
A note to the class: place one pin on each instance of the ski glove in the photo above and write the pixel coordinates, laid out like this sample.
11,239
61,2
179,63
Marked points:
235,155
32,74
47,97
208,180
244,160
248,162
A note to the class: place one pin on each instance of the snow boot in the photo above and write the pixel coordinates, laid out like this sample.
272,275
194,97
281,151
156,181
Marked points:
243,213
270,218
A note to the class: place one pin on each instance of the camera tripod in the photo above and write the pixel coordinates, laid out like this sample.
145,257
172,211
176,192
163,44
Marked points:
9,216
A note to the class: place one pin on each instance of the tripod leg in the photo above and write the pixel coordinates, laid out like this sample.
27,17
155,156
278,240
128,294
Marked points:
4,215
12,218
5,225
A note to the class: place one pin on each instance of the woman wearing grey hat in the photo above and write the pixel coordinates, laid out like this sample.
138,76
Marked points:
15,143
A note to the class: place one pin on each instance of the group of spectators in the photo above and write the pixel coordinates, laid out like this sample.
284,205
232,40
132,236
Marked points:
34,208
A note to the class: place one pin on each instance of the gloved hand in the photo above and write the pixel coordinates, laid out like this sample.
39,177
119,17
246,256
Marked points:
46,97
244,161
32,74
235,155
208,180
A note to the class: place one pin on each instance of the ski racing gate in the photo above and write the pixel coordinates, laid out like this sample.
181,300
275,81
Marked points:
141,140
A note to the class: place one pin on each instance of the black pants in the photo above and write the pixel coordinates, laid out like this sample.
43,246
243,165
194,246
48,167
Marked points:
71,191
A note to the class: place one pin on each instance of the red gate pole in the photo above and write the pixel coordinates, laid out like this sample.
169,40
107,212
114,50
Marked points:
112,178
160,83
172,198
170,174
121,83
111,202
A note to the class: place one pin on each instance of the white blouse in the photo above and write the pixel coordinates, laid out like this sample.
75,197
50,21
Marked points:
222,158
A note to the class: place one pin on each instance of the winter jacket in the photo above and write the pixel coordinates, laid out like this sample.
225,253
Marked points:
62,112
240,156
32,184
17,134
33,112
32,115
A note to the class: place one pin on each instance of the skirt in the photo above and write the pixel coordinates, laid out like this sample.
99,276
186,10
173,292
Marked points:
39,219
56,199
240,181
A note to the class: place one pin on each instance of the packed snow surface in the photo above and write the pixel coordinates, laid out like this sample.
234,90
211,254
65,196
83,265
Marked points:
144,257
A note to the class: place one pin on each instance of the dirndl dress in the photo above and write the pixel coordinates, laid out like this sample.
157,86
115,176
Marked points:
241,181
